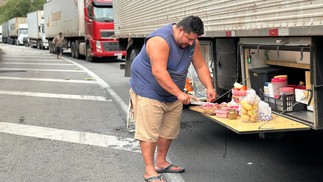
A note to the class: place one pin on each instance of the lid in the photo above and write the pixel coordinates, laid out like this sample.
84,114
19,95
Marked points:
286,89
281,76
279,79
220,111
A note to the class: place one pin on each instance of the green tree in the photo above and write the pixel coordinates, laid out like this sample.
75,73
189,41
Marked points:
19,8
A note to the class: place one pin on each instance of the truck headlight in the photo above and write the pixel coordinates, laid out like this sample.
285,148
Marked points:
98,46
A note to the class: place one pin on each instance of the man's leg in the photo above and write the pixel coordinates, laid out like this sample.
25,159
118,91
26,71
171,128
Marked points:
57,52
60,52
162,150
169,130
148,150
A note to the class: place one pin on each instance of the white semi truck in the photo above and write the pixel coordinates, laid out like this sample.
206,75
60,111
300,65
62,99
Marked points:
87,26
248,42
18,30
36,30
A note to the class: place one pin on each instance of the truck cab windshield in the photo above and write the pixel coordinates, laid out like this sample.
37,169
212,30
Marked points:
23,31
103,14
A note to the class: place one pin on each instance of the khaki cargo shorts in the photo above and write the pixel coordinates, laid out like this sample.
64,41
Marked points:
155,119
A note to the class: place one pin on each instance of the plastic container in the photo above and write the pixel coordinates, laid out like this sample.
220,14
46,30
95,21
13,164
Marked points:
287,91
232,114
277,84
221,113
266,88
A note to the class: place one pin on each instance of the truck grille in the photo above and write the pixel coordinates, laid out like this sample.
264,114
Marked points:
111,46
105,34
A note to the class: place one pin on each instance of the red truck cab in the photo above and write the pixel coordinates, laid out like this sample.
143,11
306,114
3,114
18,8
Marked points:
99,31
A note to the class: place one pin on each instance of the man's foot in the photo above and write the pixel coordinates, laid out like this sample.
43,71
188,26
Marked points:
170,168
157,178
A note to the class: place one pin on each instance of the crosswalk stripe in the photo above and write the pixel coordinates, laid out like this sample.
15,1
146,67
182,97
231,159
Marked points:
48,80
58,96
80,137
28,69
30,63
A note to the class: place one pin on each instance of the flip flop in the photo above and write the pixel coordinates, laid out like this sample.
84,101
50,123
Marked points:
168,169
154,178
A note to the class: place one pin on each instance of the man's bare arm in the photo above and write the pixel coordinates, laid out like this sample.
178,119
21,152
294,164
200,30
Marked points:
158,51
202,71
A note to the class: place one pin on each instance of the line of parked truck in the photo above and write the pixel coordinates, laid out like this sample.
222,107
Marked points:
87,25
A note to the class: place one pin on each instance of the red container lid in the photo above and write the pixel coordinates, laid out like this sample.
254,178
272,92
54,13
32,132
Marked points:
297,87
286,89
279,79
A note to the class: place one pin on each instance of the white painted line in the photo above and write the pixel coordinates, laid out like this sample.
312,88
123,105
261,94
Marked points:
104,85
58,96
33,59
28,69
49,64
48,80
78,137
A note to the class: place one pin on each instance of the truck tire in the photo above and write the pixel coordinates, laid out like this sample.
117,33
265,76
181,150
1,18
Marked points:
134,52
77,54
50,47
73,49
88,56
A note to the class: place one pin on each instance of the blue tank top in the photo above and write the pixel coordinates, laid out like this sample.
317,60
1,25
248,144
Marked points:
142,81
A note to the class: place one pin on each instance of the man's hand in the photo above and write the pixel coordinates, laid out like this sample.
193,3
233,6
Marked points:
185,98
211,95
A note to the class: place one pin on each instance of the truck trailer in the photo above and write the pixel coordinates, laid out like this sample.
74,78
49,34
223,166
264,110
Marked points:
18,30
249,42
87,25
36,30
0,33
5,32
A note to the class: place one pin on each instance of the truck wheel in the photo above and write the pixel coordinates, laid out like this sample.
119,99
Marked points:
88,56
77,54
50,47
73,49
133,54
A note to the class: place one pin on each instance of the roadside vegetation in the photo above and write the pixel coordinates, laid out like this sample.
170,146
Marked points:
19,8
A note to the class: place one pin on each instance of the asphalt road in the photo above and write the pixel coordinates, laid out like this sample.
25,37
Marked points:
64,120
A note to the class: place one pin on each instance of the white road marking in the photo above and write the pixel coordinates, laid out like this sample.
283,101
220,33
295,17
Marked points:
49,64
36,60
57,96
79,137
48,80
104,85
28,69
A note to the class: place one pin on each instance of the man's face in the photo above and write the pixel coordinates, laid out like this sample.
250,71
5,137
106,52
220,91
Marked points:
60,35
186,39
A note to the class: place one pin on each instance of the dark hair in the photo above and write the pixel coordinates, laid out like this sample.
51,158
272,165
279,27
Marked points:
192,24
60,33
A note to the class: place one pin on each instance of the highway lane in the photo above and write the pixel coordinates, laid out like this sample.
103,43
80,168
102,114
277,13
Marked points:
207,150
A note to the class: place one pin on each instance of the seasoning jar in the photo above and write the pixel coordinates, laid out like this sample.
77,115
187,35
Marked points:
232,114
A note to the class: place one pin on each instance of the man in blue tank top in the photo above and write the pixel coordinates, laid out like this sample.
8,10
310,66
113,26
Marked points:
157,82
